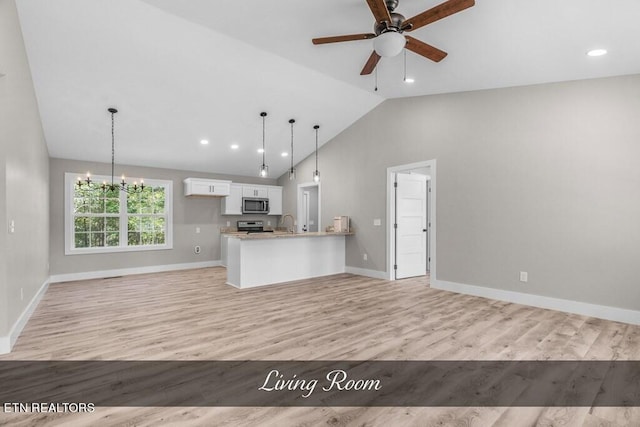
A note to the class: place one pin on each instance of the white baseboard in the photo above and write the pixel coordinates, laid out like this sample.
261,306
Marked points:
365,272
86,275
7,342
569,306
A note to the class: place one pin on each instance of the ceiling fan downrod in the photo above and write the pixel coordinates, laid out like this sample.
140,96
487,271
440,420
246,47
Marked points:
391,4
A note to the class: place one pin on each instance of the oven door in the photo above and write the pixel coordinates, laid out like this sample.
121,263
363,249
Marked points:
251,205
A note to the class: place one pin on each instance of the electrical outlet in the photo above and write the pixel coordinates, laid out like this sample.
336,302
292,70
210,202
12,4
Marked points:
524,276
364,257
196,249
268,222
197,230
377,222
12,227
228,223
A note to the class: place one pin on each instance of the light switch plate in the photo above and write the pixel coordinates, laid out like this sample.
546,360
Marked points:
377,222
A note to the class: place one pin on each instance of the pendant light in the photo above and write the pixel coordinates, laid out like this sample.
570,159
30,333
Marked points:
264,169
113,186
316,173
292,170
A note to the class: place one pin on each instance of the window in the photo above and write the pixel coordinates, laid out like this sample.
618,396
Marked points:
99,221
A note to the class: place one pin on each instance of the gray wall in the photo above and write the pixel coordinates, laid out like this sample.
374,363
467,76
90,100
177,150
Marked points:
188,213
540,179
24,181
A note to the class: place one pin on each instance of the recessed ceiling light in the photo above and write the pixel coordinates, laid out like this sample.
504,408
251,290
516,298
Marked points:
260,150
284,154
597,52
204,141
409,80
235,146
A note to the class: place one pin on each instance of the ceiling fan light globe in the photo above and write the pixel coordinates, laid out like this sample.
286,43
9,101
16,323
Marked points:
389,44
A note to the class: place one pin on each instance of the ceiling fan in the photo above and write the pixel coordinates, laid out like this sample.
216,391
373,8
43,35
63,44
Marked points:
390,26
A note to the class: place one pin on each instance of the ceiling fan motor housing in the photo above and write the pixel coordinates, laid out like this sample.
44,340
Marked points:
396,23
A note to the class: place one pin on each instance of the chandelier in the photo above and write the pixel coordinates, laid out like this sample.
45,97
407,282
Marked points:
113,186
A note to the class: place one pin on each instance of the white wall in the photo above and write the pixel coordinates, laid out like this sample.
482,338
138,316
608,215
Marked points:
542,179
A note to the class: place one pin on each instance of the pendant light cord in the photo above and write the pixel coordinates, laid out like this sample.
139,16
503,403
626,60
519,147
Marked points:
405,65
376,77
316,128
113,150
292,121
263,134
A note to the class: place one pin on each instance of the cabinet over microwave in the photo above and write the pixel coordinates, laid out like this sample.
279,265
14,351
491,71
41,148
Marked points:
255,205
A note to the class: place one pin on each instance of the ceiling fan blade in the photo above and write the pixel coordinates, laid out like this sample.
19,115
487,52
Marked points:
347,38
379,10
436,13
371,64
426,50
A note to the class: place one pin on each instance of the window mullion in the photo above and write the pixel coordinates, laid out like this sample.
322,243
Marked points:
124,209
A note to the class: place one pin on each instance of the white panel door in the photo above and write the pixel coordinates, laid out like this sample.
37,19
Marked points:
411,220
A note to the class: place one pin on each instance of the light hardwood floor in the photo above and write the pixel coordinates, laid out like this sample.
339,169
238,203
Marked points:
193,315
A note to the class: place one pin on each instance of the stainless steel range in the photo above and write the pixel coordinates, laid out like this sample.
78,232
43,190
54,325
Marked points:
252,227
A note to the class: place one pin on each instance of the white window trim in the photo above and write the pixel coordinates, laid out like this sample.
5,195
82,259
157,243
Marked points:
70,180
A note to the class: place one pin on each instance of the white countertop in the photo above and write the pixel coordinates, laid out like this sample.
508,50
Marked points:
282,235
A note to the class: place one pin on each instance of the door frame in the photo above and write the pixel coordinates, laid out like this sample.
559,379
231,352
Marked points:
299,196
391,210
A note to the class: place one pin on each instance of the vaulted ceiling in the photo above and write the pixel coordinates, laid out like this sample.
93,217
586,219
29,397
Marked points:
180,72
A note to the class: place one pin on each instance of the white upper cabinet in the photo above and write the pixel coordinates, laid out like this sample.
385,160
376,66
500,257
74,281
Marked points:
232,204
258,191
206,187
275,200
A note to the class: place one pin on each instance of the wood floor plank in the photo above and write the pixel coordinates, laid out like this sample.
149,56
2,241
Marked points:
193,315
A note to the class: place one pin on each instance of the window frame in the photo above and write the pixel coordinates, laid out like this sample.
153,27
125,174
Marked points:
70,181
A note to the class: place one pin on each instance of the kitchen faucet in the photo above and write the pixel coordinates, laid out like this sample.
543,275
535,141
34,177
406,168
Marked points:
293,222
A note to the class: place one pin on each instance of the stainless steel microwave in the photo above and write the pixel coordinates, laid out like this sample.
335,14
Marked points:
254,205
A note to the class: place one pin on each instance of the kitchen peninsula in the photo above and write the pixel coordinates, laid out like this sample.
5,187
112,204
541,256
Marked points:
267,258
